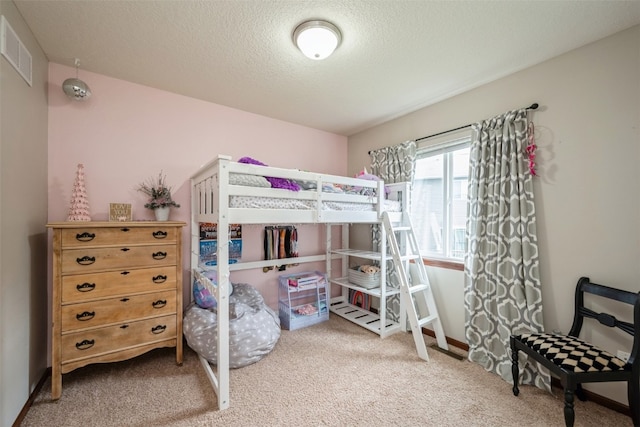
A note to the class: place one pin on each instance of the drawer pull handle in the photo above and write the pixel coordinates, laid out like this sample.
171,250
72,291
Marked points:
124,229
159,279
85,237
85,344
124,326
125,249
159,255
86,260
124,299
124,273
86,287
87,315
160,303
160,234
158,329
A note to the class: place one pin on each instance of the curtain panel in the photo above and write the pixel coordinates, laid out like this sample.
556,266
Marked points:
502,284
392,164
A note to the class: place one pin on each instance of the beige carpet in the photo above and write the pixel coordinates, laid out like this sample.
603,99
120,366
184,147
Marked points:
331,374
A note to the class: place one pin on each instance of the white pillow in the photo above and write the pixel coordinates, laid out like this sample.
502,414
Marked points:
248,180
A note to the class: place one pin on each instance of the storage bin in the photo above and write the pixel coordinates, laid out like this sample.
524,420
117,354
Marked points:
366,280
302,307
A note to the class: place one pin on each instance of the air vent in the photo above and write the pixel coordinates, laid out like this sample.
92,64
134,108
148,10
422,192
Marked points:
15,51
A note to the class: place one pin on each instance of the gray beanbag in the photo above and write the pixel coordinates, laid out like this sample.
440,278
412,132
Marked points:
254,328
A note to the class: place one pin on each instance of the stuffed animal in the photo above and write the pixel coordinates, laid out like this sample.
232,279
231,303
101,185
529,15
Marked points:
369,269
369,177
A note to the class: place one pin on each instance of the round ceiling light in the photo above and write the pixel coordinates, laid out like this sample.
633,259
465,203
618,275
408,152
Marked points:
317,39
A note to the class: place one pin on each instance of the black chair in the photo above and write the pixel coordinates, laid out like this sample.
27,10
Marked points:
576,361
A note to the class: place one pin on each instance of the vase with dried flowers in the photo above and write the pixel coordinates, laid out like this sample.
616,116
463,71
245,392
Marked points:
159,194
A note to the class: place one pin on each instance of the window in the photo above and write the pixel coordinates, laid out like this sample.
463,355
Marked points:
439,198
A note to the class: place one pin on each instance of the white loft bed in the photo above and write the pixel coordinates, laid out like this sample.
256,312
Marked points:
215,200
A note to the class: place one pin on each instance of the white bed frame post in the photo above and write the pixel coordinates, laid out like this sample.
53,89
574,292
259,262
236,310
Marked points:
344,259
222,205
328,229
406,207
207,196
380,193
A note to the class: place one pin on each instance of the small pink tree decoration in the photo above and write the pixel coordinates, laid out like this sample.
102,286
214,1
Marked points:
79,209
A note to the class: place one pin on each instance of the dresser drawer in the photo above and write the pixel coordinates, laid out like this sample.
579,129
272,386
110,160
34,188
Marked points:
88,236
103,312
83,287
93,342
100,259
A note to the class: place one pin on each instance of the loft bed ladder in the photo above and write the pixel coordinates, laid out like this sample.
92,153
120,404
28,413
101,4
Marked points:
417,297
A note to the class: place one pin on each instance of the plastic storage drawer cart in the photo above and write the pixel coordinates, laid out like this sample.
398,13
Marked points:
302,300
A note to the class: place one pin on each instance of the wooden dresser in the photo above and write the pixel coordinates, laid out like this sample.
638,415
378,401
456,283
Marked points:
117,292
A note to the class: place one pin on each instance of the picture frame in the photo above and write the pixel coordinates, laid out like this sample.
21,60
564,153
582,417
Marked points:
120,212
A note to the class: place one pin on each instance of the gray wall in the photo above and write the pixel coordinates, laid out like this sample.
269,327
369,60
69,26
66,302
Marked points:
587,195
23,215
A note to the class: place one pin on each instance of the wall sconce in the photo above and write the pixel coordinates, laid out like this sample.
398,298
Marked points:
317,39
75,88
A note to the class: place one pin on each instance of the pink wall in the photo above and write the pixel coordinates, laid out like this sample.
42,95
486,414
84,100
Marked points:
126,133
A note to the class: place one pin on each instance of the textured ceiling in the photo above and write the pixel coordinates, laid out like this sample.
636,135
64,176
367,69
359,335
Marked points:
396,56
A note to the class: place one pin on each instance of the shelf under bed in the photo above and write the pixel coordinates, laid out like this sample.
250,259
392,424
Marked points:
365,318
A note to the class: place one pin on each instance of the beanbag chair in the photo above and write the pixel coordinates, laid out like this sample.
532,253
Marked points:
254,328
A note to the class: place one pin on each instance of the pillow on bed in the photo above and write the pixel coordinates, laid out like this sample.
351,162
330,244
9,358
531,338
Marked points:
307,185
248,180
287,184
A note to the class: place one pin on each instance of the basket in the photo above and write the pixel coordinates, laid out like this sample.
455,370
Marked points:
366,280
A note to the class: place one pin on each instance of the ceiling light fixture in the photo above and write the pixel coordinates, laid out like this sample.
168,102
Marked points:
76,88
317,39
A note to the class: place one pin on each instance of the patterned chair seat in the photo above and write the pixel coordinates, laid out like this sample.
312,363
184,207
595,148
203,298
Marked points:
573,354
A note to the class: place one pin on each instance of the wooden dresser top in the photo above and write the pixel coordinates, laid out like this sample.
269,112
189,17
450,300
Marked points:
110,224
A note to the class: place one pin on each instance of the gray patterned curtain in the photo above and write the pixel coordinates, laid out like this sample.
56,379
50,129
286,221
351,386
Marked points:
502,283
393,164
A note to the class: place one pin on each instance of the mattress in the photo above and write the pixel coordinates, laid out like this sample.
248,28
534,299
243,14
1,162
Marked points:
255,202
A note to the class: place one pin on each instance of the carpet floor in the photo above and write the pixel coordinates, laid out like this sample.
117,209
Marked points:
330,374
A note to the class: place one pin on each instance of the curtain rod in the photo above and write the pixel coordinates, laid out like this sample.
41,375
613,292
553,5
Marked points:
533,106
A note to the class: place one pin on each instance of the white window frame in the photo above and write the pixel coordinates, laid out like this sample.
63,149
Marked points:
443,144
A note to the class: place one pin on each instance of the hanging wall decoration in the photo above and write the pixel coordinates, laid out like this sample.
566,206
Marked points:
75,88
531,149
79,209
209,243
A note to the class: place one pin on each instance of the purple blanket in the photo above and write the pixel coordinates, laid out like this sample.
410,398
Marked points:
287,184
